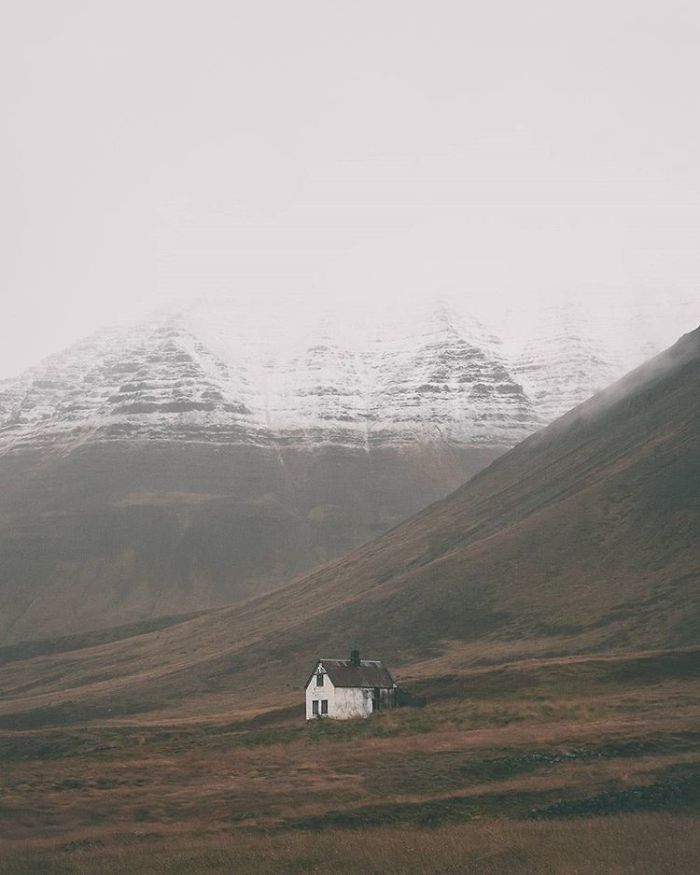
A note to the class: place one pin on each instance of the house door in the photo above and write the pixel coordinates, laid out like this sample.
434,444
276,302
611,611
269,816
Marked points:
375,699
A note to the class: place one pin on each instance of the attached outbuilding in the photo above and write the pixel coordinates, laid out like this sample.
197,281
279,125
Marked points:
346,688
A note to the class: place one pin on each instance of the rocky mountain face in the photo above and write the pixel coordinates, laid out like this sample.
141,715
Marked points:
204,456
212,374
174,379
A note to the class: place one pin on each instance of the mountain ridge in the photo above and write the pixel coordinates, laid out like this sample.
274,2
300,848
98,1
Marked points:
221,376
117,520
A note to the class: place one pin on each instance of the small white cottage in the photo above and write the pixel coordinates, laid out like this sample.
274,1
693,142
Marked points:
345,688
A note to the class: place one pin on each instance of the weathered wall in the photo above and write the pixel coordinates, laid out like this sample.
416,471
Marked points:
352,702
343,702
313,691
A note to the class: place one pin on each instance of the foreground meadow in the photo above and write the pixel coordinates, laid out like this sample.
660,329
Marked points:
585,766
634,844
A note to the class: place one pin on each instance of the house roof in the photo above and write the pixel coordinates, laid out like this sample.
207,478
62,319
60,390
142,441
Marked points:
369,673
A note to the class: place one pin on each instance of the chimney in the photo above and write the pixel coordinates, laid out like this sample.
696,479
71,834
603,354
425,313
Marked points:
354,657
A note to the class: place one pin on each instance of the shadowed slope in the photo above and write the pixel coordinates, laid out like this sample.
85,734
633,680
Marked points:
118,533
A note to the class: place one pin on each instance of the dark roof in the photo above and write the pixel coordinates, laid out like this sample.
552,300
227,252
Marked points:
369,673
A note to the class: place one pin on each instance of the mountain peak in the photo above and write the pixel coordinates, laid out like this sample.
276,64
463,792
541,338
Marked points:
213,372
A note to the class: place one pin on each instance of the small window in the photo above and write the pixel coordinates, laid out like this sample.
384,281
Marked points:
324,706
319,679
314,707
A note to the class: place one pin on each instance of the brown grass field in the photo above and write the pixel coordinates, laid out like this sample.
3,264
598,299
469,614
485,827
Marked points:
561,766
636,844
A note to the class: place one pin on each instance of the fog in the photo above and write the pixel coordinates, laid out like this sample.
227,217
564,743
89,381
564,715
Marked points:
326,153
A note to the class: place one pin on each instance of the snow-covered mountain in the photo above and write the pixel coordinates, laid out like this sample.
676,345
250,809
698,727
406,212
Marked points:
204,376
215,375
199,457
564,353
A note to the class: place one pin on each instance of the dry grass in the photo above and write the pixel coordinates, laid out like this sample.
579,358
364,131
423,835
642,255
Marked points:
637,845
507,770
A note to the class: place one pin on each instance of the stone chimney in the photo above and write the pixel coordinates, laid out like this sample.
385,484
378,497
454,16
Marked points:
354,657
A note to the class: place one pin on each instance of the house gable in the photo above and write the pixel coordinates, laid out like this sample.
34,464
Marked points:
318,669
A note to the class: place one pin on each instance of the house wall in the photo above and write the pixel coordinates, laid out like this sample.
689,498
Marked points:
344,703
327,691
352,702
387,699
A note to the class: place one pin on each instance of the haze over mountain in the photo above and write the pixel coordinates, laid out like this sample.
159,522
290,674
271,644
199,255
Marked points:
582,539
201,457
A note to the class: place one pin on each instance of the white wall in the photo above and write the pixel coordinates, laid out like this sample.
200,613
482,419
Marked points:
343,702
352,702
314,692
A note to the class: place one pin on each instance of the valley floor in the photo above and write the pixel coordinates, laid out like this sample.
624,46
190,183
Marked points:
552,766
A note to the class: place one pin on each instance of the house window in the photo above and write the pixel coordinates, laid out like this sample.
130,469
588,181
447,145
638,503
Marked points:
314,707
319,679
324,706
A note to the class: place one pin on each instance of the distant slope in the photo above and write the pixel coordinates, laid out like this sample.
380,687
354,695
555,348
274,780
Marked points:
584,538
121,532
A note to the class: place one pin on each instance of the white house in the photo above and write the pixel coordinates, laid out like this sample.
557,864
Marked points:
345,688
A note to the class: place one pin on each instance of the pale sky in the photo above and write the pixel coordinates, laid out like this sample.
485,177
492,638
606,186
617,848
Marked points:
326,151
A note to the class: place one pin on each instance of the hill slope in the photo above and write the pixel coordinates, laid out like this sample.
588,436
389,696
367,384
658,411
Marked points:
581,539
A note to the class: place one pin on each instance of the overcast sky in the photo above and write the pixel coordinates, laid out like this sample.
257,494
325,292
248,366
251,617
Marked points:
332,150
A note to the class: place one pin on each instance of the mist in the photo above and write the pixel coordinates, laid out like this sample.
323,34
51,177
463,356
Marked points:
295,157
